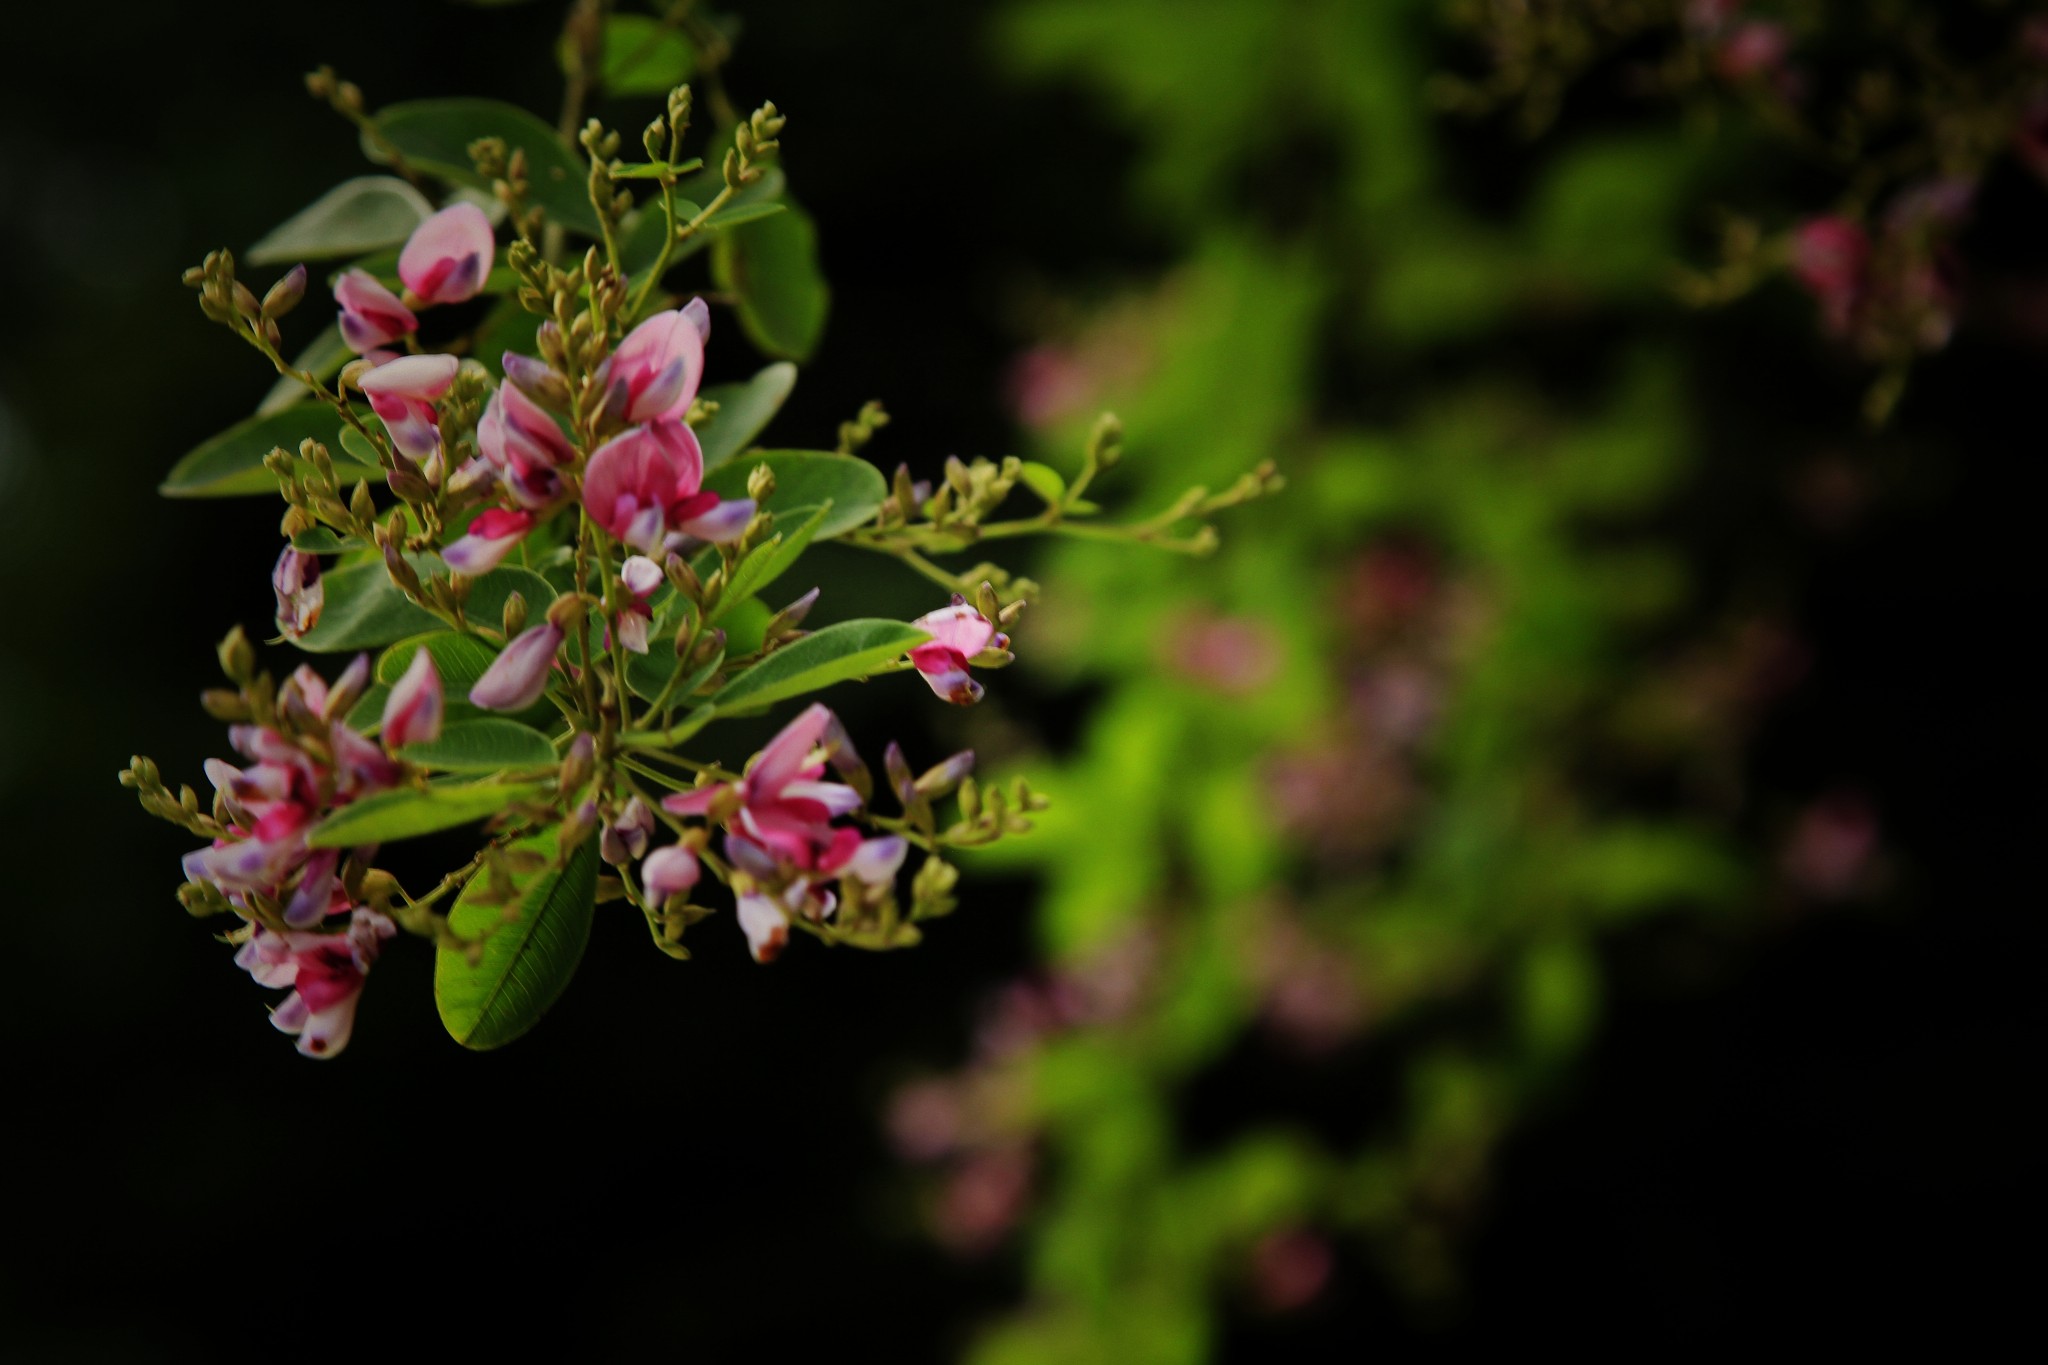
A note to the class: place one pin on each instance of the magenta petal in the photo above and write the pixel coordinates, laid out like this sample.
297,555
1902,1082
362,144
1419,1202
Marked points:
660,364
785,757
696,802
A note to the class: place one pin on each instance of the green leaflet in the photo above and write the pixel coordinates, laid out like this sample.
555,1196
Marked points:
409,812
526,961
807,480
641,56
744,410
772,265
489,745
838,653
434,135
364,214
231,464
364,609
768,561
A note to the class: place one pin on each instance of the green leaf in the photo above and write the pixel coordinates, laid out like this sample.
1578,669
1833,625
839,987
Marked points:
734,214
231,464
1043,480
647,674
642,56
357,447
806,480
459,659
434,135
412,811
359,215
526,962
363,608
324,357
746,627
489,745
744,410
767,562
771,264
850,649
322,540
654,170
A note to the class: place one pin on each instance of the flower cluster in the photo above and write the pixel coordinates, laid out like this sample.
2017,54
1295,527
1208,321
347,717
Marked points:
553,513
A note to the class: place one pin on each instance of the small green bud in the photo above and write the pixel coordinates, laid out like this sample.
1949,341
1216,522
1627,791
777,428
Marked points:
761,483
514,619
237,657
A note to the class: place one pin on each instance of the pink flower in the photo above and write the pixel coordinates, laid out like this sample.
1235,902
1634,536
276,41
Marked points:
646,484
766,910
669,871
1829,256
412,713
489,539
403,393
640,576
958,632
781,805
447,257
516,437
654,374
296,581
371,315
624,839
518,676
325,972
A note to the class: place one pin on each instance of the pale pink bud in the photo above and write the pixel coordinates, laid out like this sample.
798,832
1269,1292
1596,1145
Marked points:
371,315
653,376
447,257
640,575
412,713
876,860
489,539
669,871
348,689
624,839
300,596
519,675
361,767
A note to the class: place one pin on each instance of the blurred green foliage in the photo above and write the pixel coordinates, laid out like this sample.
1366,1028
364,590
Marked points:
1374,797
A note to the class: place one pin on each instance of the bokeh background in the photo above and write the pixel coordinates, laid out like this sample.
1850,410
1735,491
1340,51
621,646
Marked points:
1560,872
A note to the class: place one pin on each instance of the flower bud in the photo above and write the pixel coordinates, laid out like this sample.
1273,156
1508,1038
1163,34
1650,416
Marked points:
345,691
514,618
518,677
936,781
761,483
683,578
237,657
624,839
578,763
412,713
579,825
669,871
286,293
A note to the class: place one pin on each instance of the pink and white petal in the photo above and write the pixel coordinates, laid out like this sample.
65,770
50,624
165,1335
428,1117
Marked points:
412,713
641,575
447,257
876,861
722,523
786,757
633,632
836,798
697,802
960,628
765,925
421,377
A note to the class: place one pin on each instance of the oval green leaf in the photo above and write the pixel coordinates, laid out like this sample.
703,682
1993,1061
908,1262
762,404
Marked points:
490,745
838,653
412,811
768,561
359,215
526,962
230,465
459,659
807,480
434,135
744,410
771,264
642,56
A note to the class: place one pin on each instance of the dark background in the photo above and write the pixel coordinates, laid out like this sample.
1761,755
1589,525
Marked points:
1818,1125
